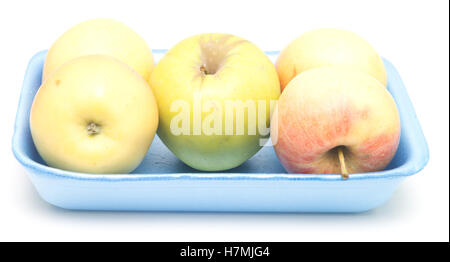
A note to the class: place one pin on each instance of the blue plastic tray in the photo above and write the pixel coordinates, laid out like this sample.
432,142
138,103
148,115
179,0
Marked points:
163,183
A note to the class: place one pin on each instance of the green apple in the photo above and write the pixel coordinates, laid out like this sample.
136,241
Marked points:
214,94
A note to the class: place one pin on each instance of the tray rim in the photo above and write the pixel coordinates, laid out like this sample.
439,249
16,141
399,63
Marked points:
418,160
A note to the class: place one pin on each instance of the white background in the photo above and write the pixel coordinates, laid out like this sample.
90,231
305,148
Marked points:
413,35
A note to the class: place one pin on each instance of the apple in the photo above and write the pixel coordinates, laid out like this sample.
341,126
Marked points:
94,114
325,47
100,36
332,120
214,93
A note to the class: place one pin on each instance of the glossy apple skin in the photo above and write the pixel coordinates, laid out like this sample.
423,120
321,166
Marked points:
329,47
94,89
243,73
328,107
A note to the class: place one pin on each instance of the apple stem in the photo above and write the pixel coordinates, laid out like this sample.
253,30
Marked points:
344,172
203,69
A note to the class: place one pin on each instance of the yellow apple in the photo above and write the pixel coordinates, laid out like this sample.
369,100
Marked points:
214,93
101,36
94,114
328,110
326,47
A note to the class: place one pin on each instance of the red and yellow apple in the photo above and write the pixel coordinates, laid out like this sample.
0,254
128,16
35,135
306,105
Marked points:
100,36
209,89
331,110
329,47
94,114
